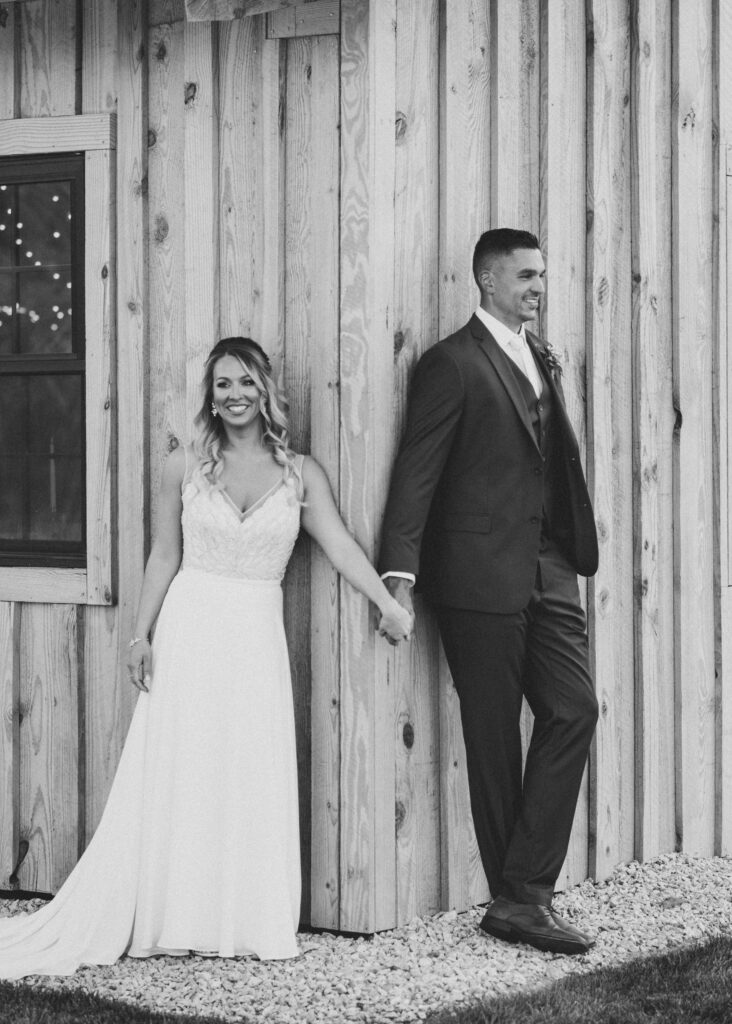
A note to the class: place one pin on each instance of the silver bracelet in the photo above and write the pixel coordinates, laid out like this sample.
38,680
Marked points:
135,640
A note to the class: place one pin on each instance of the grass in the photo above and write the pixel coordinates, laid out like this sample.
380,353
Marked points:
21,1004
685,987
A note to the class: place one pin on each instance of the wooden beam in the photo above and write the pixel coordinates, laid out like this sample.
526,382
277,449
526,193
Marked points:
319,18
229,10
64,134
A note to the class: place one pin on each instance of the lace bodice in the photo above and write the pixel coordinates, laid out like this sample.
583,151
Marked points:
254,545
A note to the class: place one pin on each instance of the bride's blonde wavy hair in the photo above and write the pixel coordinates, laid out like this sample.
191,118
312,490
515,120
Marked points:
273,410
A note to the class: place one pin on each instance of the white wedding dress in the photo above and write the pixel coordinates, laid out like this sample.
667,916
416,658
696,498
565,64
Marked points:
198,846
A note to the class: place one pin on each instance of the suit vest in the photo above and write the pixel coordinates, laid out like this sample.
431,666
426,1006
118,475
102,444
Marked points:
541,414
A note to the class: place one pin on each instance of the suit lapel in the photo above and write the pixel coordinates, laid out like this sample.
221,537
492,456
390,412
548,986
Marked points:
501,365
559,408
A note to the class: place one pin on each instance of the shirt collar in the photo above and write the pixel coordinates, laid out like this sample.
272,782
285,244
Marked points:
503,335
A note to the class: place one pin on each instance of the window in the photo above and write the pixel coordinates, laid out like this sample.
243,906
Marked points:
42,499
56,359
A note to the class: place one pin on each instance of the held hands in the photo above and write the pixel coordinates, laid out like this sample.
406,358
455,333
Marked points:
139,661
397,619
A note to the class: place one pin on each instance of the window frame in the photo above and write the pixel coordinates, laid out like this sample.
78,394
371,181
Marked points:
93,135
45,169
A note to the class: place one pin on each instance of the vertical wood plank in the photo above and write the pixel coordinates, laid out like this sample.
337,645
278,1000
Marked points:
723,431
653,418
48,58
368,864
201,204
609,318
563,231
300,183
110,698
99,56
9,740
167,275
9,96
515,112
99,290
311,381
251,191
100,632
49,748
465,163
416,737
693,526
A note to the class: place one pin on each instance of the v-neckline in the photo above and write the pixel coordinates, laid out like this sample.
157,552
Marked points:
243,514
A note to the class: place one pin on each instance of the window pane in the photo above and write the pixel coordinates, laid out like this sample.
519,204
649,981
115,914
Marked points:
41,461
7,226
35,312
35,267
37,217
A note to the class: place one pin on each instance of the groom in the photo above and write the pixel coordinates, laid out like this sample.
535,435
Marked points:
488,509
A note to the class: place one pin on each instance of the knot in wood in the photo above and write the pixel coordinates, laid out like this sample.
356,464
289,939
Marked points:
173,443
161,53
152,137
400,814
398,342
690,119
408,735
190,93
603,291
400,125
161,228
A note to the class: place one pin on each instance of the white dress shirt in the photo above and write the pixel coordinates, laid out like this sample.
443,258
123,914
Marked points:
516,347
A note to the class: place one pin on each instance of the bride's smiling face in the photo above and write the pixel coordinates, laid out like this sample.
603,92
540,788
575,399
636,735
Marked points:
235,393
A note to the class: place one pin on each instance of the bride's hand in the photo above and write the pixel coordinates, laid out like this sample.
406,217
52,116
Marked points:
396,622
138,665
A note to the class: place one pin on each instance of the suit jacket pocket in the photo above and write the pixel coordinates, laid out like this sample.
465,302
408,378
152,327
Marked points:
464,522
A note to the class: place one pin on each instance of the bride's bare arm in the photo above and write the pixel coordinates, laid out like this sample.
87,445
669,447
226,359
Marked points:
321,519
162,565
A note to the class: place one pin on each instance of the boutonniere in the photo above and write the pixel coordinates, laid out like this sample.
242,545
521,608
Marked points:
551,359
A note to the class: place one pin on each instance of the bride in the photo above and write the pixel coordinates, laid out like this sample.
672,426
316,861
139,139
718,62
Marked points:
198,846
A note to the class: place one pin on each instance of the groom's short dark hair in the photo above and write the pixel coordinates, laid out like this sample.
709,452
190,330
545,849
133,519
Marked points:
500,242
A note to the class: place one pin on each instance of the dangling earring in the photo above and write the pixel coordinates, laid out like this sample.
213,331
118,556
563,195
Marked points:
214,410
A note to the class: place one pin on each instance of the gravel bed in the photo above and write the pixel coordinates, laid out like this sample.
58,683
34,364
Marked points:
429,964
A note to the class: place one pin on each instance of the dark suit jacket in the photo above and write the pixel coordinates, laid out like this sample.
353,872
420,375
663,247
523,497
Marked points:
465,503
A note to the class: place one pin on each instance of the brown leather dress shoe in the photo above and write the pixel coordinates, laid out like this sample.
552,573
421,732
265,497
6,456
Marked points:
589,939
533,924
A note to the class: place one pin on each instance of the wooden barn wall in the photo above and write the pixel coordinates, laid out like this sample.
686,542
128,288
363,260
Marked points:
322,193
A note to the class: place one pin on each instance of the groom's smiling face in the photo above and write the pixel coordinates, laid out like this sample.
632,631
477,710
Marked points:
512,286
